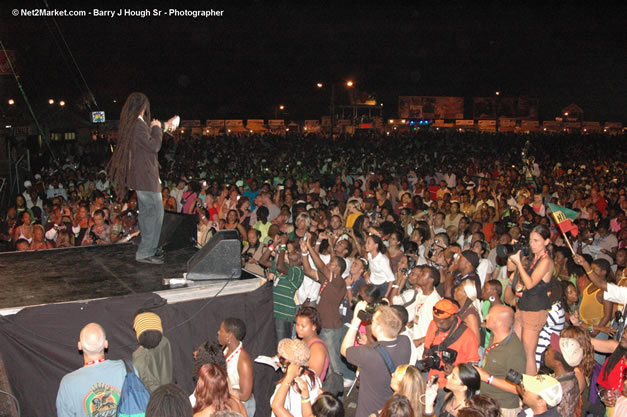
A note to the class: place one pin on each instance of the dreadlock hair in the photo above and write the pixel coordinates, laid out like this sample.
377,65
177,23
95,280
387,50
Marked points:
169,401
613,360
137,104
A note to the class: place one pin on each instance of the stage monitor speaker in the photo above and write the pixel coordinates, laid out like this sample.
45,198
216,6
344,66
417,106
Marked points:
177,231
219,259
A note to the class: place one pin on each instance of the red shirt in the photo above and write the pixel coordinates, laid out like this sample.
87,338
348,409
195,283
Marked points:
615,378
466,345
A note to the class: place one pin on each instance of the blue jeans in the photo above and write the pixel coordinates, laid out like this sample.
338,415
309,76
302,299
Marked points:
250,405
346,369
150,220
333,340
284,329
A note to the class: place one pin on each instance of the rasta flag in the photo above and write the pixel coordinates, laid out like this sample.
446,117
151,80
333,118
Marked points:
564,218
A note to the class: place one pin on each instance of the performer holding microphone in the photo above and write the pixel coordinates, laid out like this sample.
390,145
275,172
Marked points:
135,165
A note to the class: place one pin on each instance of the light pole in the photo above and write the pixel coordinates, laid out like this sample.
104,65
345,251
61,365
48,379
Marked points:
348,84
497,105
277,109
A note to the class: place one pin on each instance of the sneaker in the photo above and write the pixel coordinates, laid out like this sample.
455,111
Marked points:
150,260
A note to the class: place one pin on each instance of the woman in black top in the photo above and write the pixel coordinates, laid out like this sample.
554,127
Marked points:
463,382
532,288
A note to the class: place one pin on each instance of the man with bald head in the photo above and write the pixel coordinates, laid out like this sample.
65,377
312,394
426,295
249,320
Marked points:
93,390
505,352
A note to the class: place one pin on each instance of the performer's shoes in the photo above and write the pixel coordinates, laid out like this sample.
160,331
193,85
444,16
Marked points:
158,253
151,260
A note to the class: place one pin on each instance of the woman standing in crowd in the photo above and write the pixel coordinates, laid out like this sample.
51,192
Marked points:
308,326
381,273
288,397
470,312
233,223
212,393
532,288
23,228
409,382
395,249
463,382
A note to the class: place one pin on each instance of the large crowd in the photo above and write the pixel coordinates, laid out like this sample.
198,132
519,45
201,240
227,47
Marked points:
426,269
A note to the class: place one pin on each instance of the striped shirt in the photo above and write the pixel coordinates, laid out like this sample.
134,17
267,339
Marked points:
555,323
285,286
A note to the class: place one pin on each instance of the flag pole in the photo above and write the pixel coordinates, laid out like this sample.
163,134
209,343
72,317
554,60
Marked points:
563,234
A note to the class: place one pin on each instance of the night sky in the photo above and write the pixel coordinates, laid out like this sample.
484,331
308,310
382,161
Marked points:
258,55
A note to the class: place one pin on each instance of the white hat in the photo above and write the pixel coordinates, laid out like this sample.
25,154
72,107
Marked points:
547,387
27,184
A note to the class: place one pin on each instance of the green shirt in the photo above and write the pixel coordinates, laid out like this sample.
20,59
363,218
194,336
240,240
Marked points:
285,286
509,354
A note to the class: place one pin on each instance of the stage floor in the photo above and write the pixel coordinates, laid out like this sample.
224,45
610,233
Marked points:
61,275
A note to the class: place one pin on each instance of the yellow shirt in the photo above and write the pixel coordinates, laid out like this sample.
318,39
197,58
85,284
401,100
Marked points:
591,311
350,220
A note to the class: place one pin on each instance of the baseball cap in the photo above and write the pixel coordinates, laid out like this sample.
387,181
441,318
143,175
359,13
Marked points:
547,387
570,349
471,257
444,309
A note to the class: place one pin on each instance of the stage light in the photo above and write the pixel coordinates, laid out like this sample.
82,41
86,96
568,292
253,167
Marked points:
349,83
498,93
320,85
51,101
11,102
62,103
281,107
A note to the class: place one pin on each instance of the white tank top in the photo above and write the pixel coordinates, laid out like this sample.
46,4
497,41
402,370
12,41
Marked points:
231,367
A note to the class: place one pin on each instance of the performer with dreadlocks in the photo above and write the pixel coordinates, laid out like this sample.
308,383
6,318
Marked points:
134,165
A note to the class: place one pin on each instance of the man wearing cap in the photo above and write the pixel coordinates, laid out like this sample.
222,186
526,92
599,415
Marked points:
562,356
505,352
30,194
447,331
153,357
461,268
542,394
94,389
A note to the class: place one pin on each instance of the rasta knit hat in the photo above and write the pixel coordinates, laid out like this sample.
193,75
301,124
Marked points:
147,321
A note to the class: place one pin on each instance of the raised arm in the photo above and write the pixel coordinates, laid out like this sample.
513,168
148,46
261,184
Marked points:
309,271
544,267
596,280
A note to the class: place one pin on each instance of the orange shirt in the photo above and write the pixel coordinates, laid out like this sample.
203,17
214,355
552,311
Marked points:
466,345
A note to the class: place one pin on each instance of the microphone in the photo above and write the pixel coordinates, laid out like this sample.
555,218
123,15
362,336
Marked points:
176,121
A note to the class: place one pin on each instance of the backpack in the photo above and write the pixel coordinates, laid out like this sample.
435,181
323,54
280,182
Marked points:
134,396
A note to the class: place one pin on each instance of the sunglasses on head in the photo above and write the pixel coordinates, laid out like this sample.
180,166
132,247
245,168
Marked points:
438,312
